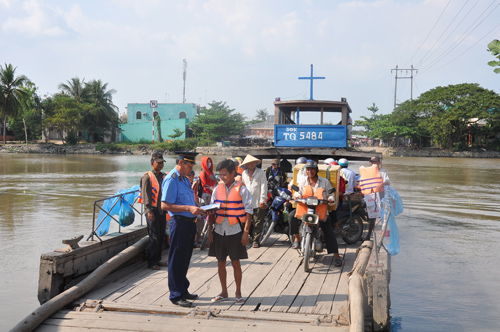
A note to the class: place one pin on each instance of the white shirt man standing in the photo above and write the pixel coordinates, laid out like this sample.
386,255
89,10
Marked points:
255,180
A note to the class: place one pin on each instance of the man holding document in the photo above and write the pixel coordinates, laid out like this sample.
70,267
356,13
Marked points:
229,227
178,199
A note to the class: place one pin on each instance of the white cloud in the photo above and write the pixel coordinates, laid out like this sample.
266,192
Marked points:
36,23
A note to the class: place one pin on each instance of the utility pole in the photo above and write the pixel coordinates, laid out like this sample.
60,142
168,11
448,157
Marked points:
402,77
185,65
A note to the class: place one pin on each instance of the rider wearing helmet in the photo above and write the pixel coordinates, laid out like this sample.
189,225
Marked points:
301,160
348,175
313,182
328,161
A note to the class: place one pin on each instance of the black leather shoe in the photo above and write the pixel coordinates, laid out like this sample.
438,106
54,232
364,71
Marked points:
189,296
183,303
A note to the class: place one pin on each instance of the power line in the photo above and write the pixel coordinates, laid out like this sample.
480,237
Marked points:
498,25
467,34
420,62
429,32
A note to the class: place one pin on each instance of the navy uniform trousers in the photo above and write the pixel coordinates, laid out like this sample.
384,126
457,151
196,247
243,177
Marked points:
182,235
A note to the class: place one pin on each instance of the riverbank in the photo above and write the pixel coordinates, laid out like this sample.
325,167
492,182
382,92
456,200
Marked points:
120,149
431,153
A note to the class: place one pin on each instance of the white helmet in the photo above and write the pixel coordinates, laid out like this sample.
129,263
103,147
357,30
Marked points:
343,162
328,161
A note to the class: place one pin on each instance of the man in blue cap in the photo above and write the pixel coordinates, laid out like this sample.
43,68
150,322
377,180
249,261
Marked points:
178,199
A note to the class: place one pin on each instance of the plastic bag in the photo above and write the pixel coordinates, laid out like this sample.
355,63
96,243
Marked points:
393,200
127,214
112,207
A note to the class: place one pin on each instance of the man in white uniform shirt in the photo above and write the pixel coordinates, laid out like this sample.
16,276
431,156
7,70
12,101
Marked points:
348,175
255,180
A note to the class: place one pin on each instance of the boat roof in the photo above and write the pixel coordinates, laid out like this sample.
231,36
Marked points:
314,105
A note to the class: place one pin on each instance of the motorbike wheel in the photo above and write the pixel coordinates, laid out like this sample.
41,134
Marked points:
307,252
204,235
353,233
267,230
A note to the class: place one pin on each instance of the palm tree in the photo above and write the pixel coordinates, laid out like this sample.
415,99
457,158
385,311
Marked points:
11,94
74,88
262,114
105,114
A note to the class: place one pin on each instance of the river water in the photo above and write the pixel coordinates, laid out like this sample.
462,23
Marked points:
446,276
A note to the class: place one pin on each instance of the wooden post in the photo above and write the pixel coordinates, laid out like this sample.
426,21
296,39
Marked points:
357,298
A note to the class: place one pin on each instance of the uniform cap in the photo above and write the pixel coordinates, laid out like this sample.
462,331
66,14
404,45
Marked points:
275,161
187,156
157,156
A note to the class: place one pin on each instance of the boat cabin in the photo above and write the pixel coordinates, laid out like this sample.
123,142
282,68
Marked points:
290,132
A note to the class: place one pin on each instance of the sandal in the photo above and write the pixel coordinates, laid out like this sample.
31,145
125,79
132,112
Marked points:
219,298
338,262
239,300
296,245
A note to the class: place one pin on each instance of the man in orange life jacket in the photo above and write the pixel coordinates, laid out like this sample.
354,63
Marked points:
229,234
178,199
310,186
155,217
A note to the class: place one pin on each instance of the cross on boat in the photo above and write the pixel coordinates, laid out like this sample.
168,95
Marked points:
311,78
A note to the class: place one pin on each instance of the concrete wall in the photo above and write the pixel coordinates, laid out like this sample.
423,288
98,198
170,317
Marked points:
166,112
144,130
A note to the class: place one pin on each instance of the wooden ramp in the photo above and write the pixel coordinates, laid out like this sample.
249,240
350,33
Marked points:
279,296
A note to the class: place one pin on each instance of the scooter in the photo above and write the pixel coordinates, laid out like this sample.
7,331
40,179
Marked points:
277,216
350,219
310,232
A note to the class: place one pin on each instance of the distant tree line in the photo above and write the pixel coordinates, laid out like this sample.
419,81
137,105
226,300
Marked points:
446,117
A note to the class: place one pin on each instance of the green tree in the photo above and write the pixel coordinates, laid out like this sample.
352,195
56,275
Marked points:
158,127
447,112
103,115
217,121
262,115
11,94
75,88
494,48
31,114
373,108
177,133
67,115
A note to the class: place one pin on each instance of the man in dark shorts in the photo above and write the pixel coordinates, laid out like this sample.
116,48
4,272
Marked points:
228,229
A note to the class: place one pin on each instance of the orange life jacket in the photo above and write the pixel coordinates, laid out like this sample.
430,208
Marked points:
320,209
370,180
231,205
155,189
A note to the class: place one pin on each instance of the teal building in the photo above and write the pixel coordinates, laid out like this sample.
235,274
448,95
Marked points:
139,124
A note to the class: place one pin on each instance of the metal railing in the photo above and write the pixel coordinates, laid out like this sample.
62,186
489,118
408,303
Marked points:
98,223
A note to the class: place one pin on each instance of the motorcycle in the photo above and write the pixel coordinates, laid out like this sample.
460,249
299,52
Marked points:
310,231
350,219
277,216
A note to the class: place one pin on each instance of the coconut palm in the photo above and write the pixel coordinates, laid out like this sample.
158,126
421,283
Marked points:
74,88
11,93
104,115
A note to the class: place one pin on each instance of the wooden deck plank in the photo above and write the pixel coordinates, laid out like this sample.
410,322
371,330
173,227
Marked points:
270,288
308,295
116,321
328,289
339,306
256,272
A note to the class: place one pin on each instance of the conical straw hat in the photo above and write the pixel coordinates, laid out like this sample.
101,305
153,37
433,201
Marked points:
248,159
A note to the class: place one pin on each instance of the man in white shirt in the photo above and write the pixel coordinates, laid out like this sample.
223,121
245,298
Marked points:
255,180
348,175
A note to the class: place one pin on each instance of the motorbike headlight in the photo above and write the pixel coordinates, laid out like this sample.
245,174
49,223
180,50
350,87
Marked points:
310,219
312,201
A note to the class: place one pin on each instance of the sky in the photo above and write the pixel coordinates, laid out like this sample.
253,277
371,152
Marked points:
247,53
